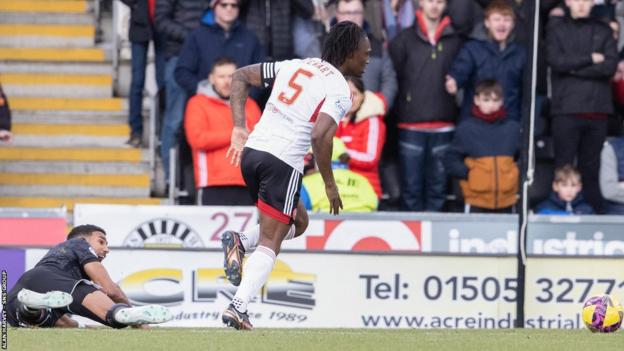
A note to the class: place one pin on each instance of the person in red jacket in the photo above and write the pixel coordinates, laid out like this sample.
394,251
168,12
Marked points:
208,126
363,132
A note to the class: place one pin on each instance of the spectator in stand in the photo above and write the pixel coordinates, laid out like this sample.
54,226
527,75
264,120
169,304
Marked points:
612,175
208,125
363,132
355,190
390,17
271,21
483,151
582,54
307,33
5,118
615,123
422,55
604,10
398,15
566,198
219,35
379,75
142,31
175,19
498,57
523,33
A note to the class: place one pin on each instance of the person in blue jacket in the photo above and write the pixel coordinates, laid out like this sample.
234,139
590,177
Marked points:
566,197
498,57
220,34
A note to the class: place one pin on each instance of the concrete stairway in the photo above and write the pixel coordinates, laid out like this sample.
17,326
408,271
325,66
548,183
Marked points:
69,131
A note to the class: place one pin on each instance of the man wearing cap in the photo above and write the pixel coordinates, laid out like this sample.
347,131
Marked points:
219,35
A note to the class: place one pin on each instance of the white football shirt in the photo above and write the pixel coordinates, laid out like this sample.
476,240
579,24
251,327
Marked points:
301,90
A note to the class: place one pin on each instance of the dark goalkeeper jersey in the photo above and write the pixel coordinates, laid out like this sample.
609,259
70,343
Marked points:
68,258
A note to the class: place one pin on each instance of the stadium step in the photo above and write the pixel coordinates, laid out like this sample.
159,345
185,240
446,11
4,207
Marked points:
114,180
67,135
71,154
67,104
53,54
69,117
56,68
57,85
69,130
53,35
44,6
74,167
49,18
106,185
69,202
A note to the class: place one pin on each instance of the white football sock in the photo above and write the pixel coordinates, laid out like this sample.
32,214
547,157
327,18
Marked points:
251,238
257,269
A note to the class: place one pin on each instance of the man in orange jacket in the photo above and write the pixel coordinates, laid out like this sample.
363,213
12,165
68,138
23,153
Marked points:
208,126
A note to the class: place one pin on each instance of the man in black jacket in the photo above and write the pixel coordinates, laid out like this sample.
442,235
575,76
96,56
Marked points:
271,21
422,55
142,31
582,54
175,19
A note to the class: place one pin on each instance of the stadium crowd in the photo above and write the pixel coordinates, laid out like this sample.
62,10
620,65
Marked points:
437,118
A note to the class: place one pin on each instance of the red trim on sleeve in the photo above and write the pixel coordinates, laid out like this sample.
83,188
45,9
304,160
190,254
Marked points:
272,212
316,111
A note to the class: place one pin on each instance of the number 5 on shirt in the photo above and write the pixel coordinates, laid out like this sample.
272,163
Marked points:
296,87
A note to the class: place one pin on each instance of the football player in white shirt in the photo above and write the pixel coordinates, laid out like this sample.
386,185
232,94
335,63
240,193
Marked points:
308,99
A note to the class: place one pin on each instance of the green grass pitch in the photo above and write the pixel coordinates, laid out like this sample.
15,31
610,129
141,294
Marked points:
178,339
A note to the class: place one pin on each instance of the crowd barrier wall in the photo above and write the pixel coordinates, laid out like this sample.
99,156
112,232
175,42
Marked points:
360,290
201,227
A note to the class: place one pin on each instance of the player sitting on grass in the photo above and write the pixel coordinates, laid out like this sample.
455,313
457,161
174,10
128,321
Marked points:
70,279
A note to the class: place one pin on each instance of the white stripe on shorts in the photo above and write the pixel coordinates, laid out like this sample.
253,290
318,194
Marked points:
292,190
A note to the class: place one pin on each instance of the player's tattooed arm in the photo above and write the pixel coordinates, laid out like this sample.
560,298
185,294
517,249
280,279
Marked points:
241,81
243,78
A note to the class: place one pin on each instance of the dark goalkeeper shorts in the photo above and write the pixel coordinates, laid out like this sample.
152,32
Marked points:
273,184
42,280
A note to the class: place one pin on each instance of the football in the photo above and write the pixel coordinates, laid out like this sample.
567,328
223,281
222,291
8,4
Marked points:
602,314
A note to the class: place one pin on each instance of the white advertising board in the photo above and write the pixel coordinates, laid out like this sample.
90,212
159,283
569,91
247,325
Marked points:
322,290
201,227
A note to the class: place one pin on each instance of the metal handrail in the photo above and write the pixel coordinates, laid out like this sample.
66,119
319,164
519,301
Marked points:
154,107
115,51
173,186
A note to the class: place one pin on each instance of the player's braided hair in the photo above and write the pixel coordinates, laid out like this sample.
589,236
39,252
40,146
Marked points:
342,41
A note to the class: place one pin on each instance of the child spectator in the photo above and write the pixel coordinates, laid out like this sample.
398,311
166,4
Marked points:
582,54
482,153
612,175
566,197
498,57
363,132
